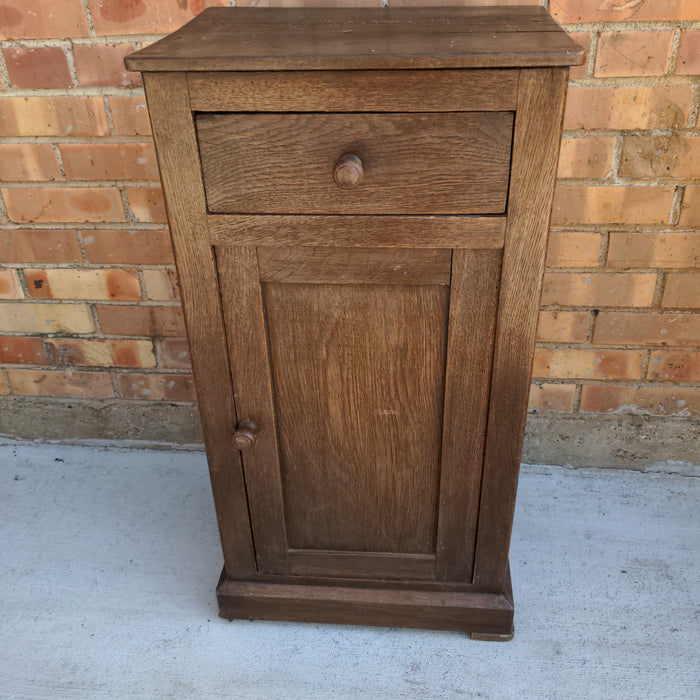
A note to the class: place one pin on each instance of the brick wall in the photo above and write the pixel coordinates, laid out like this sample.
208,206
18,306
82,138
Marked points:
88,297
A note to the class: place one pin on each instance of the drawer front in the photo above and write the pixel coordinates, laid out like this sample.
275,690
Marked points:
426,163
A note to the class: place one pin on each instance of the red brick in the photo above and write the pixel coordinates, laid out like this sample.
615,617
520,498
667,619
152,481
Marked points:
143,17
55,383
690,209
654,157
101,353
552,398
669,329
20,246
664,249
674,365
598,289
147,203
52,116
37,67
582,204
174,353
130,116
9,285
682,291
627,107
563,326
128,247
118,285
689,53
573,249
141,320
59,204
620,10
109,161
588,157
641,401
28,161
22,351
584,39
632,53
103,64
587,363
40,19
156,387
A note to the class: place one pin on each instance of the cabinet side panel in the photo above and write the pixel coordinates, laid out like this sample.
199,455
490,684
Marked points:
358,377
178,160
538,124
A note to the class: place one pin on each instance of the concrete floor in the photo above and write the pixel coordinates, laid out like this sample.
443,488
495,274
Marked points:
108,561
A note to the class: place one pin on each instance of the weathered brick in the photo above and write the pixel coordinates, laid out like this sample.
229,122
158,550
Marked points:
587,363
682,291
674,365
25,317
573,249
551,398
690,209
28,161
4,389
563,326
174,353
52,116
627,107
103,64
40,19
582,204
670,156
641,401
128,247
130,116
588,157
9,285
147,203
598,289
61,383
119,17
15,350
161,285
584,39
28,246
37,67
668,329
632,53
619,10
109,161
141,320
62,204
665,249
118,285
101,353
156,387
357,3
689,53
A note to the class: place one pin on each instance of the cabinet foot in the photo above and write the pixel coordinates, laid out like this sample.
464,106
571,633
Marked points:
491,637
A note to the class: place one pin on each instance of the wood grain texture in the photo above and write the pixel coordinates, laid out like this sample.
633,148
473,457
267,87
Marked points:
438,163
406,567
245,329
368,38
358,376
535,152
354,266
355,91
358,231
473,304
178,160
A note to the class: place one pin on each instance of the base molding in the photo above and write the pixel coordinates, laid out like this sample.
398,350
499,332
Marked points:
489,616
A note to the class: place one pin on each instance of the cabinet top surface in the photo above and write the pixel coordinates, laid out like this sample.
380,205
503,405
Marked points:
363,39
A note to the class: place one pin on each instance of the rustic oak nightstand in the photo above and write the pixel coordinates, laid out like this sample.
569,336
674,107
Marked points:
359,203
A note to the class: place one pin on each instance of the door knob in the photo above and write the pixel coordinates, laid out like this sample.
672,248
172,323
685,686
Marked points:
244,436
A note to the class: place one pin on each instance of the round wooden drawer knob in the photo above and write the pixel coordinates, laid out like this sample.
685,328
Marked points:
348,171
244,437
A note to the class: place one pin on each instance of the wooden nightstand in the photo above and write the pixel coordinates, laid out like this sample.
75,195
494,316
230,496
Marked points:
359,202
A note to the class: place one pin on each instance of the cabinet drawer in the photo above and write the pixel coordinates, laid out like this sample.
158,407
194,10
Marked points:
425,163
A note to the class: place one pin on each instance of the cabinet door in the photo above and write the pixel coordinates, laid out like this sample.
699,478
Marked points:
365,374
